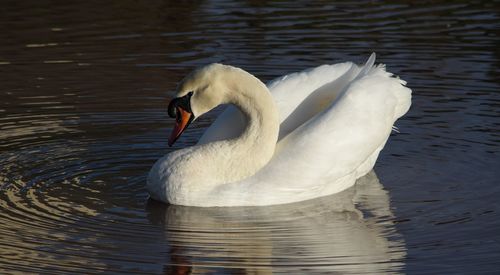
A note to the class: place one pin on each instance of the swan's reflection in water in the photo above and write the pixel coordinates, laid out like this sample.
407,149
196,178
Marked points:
348,232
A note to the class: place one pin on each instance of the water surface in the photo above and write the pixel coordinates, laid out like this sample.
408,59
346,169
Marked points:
84,89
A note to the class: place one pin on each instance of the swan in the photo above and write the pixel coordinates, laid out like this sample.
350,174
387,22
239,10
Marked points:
304,135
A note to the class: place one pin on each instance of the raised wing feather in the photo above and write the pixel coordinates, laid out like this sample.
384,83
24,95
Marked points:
322,97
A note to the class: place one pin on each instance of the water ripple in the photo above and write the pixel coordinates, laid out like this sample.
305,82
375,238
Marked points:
82,120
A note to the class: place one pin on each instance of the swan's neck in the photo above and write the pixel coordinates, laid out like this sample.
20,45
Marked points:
234,159
254,100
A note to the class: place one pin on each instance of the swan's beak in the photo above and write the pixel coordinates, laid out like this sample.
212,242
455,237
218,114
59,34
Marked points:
180,109
182,121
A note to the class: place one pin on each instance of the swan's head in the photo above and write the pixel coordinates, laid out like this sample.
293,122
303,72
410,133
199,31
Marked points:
198,93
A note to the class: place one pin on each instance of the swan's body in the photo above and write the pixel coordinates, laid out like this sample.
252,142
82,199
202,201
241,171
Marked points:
306,135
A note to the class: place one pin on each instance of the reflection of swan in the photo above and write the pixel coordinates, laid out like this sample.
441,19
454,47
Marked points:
317,132
327,233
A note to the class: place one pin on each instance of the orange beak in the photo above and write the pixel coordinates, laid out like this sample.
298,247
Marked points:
182,121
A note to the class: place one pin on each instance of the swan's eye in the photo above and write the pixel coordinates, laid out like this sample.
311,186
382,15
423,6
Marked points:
190,93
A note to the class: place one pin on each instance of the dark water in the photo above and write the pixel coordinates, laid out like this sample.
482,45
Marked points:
83,93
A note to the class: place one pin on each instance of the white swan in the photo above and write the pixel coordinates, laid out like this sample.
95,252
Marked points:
305,135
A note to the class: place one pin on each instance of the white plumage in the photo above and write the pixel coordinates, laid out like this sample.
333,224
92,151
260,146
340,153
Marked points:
319,131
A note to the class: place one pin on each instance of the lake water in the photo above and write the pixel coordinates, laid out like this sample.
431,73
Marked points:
84,89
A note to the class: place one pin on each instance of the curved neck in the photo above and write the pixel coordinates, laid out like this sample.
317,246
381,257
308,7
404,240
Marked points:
254,100
235,159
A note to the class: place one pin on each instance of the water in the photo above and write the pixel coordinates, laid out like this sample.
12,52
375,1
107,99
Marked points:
84,89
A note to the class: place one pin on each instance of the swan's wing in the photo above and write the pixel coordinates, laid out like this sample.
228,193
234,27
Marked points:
322,97
313,86
291,90
324,154
340,139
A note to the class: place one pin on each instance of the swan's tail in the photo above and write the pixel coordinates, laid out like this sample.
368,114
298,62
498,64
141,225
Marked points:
400,91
